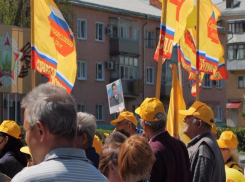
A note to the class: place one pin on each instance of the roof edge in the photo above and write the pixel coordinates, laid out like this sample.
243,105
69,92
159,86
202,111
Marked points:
229,13
115,10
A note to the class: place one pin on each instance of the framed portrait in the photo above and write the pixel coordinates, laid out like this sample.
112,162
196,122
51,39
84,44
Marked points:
115,96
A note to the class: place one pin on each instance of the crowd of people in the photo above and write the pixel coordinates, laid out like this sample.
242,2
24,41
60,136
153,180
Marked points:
62,145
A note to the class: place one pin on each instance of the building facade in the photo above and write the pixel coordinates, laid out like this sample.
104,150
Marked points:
233,19
117,40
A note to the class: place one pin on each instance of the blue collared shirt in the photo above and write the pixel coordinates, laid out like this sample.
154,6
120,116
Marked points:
62,164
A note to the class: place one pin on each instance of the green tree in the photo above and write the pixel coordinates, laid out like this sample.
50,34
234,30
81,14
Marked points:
17,12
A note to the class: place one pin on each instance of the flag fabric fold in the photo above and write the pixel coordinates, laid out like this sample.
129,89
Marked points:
53,44
173,24
221,73
210,49
175,124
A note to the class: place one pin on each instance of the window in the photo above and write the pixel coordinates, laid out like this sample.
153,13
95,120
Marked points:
82,107
236,52
139,36
150,75
100,71
241,81
237,26
82,29
230,52
228,3
219,84
129,69
167,71
123,28
99,31
100,112
82,70
114,116
206,83
219,113
126,29
157,35
149,39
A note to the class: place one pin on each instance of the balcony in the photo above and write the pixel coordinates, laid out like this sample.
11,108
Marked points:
235,65
124,46
131,88
124,36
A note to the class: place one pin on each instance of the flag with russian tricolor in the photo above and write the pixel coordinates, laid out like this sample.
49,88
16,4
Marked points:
53,44
173,23
210,49
221,72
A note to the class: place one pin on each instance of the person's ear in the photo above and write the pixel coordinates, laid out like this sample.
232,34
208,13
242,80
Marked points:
199,124
129,125
150,168
84,138
41,130
6,139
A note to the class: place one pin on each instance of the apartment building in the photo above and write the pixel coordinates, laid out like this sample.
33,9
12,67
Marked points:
117,40
233,19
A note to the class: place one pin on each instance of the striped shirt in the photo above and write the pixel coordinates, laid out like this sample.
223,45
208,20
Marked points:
63,164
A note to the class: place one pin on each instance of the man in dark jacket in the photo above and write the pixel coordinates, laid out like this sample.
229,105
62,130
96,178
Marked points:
172,163
86,126
207,163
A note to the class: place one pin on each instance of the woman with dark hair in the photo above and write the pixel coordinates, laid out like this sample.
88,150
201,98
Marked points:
12,160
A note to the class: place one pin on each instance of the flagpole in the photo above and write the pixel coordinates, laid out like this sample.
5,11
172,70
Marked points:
159,77
197,48
180,70
33,72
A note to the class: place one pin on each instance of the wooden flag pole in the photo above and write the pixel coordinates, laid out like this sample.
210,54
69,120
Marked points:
33,77
197,48
180,76
159,77
180,70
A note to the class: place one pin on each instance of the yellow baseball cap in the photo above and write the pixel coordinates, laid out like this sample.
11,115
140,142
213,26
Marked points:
151,109
227,139
201,111
11,128
25,150
125,115
97,144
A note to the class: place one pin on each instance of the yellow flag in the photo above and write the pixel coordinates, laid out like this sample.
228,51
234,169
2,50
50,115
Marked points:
53,44
175,124
210,49
173,23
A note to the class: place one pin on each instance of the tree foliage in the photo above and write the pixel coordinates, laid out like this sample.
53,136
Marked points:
17,12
